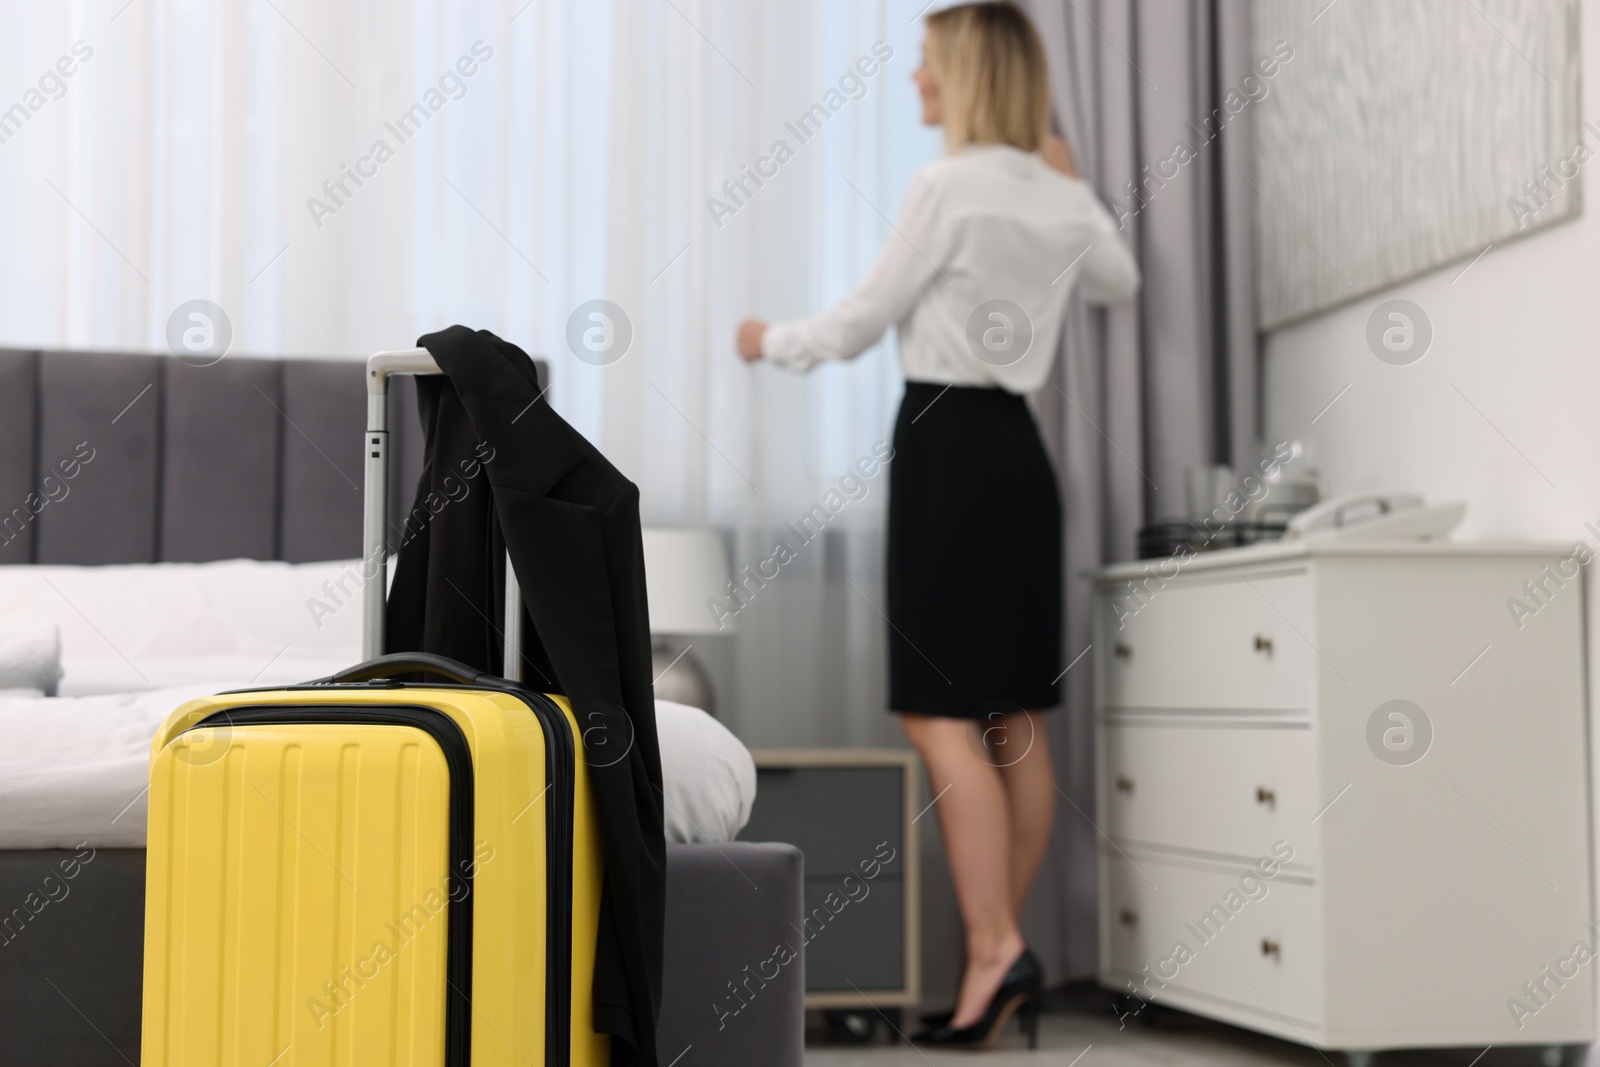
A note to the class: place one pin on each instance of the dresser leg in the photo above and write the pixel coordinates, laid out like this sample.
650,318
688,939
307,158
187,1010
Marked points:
1359,1057
1552,1056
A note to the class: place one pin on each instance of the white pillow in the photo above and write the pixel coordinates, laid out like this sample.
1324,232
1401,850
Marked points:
30,656
148,625
708,777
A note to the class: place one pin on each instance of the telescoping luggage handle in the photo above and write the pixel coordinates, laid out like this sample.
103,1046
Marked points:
381,366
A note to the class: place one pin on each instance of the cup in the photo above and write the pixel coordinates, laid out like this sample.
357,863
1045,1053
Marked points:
1207,489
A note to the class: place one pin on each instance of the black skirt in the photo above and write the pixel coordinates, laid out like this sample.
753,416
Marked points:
974,567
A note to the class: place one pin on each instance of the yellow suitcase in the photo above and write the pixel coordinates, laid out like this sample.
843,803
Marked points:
364,872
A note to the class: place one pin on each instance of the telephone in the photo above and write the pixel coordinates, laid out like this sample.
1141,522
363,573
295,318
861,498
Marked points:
1377,517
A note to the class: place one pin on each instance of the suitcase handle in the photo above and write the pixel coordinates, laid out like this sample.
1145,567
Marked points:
381,366
417,663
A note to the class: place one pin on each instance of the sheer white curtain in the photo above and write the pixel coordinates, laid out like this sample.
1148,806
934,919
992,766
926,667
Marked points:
710,93
341,178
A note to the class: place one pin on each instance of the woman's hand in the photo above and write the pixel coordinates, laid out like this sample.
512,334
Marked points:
750,333
1058,155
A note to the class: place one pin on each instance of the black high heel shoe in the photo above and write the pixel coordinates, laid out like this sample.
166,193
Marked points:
1019,994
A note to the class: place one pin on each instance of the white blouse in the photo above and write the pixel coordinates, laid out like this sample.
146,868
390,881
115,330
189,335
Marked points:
988,245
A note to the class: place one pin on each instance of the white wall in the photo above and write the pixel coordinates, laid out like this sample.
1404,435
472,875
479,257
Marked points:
1503,411
1517,335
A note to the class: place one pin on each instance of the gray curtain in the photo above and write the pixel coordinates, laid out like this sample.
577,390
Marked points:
1144,390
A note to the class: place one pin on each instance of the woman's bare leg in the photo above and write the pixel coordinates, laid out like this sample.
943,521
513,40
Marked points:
1029,779
974,819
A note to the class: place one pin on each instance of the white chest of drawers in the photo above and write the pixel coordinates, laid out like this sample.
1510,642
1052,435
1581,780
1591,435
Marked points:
1284,848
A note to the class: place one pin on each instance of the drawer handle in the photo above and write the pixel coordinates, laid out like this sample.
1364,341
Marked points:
1264,644
1123,651
1128,917
1270,947
1124,785
1266,796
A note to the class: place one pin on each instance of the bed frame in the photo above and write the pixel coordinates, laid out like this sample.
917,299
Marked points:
242,459
263,459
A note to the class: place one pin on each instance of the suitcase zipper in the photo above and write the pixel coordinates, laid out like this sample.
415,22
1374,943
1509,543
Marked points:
562,779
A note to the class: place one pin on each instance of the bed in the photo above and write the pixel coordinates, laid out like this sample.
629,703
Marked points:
208,512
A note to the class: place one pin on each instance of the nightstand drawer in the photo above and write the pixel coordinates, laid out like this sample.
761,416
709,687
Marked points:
854,934
851,812
1239,643
1235,790
1215,931
840,817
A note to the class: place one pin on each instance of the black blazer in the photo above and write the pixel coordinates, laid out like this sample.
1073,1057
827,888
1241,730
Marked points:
500,459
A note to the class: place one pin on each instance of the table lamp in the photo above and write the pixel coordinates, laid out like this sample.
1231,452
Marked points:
684,569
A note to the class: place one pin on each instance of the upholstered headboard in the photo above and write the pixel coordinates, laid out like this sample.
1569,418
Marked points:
121,458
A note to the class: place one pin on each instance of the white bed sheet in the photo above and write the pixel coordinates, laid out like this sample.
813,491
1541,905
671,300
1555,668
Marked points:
95,677
73,770
707,775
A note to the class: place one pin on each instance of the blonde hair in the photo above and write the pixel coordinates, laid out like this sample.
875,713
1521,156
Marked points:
994,83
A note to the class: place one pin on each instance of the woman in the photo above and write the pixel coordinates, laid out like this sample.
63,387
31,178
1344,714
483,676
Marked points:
989,242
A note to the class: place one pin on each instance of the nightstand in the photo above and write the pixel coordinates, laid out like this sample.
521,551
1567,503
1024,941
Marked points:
849,811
